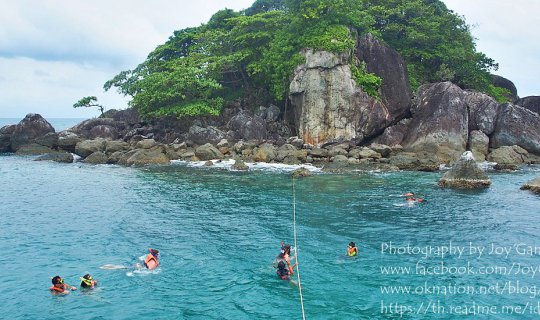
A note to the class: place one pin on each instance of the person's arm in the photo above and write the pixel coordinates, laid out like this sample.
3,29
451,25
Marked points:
72,288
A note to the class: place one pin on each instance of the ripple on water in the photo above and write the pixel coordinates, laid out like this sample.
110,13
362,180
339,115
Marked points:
218,232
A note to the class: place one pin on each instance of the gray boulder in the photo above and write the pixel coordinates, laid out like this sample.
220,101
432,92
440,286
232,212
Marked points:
483,111
141,157
533,185
30,128
87,147
422,161
200,135
532,103
106,128
301,173
440,122
264,153
239,165
507,157
517,126
34,149
62,157
49,140
5,137
386,63
97,158
247,127
478,144
112,146
146,144
67,140
465,174
208,152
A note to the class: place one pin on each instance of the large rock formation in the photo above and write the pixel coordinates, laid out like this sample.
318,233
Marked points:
326,98
440,122
30,128
532,103
483,111
517,126
387,64
330,106
465,174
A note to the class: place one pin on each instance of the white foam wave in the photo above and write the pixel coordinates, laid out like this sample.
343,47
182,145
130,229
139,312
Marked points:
259,166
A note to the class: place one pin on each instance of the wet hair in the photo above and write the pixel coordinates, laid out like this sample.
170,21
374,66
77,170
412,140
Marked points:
56,280
352,244
154,251
281,265
285,249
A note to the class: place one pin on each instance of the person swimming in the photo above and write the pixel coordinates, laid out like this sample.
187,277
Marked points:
285,256
410,197
59,287
352,250
151,261
282,271
87,282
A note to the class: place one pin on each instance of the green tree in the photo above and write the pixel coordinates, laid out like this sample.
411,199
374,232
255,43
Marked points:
252,54
87,102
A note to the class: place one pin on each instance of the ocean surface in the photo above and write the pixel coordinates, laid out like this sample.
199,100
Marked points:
219,231
459,254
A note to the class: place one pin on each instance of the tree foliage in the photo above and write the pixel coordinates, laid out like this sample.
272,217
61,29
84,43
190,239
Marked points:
252,54
87,102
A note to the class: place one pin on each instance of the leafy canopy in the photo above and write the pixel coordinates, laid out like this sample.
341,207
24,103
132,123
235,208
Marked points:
252,54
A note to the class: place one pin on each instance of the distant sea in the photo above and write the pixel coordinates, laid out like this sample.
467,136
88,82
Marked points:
59,124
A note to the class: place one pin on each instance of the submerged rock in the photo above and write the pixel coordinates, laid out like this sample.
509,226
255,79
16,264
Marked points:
533,185
239,165
301,172
465,174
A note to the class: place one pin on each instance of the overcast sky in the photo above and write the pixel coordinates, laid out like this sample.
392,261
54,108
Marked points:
54,52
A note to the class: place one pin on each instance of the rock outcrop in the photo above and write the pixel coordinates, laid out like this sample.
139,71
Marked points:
329,106
533,185
517,126
532,103
32,127
465,174
440,122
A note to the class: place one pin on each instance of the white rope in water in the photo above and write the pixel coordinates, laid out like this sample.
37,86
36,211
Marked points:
296,252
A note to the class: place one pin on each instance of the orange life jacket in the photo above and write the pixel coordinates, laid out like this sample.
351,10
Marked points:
151,262
58,289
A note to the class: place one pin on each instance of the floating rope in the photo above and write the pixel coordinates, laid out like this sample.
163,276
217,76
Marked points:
296,251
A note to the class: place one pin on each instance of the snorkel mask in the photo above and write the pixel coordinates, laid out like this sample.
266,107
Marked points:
87,279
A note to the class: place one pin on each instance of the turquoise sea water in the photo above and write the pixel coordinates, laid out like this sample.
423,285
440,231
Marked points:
218,232
59,124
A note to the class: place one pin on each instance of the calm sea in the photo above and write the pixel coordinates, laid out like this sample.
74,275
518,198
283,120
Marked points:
59,124
218,232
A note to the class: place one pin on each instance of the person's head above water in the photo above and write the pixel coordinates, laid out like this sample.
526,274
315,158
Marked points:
154,252
285,249
352,244
87,281
281,265
57,280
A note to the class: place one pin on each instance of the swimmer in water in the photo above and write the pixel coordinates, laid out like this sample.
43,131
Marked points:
285,256
352,250
151,260
59,287
87,282
282,271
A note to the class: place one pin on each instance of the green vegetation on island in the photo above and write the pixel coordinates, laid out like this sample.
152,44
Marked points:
252,54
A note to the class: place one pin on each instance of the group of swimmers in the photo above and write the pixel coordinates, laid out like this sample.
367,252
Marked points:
87,282
283,260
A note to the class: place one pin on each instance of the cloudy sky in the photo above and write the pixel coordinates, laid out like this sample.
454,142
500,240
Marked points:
54,52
